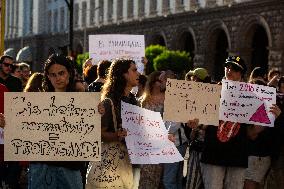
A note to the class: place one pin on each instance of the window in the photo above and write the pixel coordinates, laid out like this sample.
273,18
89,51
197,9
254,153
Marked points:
49,17
141,7
119,9
101,10
31,16
110,10
62,19
84,13
92,11
166,5
130,9
55,21
76,15
153,6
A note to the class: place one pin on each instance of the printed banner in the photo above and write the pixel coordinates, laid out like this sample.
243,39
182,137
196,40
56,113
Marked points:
112,46
52,127
187,100
247,103
147,138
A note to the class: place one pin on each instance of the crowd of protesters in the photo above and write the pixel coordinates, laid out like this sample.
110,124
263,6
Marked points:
230,156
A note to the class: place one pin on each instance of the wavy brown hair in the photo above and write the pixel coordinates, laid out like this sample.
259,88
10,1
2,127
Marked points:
34,83
152,78
115,82
61,60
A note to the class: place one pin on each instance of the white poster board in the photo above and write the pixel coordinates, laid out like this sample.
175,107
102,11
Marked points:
52,126
112,46
247,103
147,138
185,100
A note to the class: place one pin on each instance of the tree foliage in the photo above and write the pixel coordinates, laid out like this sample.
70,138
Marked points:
152,52
160,58
81,58
177,61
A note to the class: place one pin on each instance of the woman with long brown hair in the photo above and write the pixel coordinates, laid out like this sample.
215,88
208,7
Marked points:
121,78
34,83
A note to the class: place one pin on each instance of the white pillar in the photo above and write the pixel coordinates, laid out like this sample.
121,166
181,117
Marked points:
114,11
147,7
160,7
124,10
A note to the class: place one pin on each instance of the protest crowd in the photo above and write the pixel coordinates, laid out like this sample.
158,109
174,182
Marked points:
231,156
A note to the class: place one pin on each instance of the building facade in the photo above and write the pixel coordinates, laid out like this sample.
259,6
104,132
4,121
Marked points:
208,29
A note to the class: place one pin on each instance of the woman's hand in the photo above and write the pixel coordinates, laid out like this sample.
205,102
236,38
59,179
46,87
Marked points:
121,134
2,120
172,137
254,130
275,110
193,124
101,108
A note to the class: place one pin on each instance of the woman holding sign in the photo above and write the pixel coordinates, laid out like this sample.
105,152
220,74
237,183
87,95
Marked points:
114,170
58,77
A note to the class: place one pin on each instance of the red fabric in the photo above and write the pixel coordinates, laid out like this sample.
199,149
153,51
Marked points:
2,90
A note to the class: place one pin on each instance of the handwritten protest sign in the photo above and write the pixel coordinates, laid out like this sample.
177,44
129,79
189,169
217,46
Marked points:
52,126
247,103
147,138
108,47
189,100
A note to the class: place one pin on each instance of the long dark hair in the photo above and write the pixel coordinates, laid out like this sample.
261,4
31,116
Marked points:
115,82
61,60
34,83
152,78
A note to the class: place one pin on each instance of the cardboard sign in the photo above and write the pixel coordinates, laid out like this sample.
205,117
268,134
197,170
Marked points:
247,103
187,100
147,138
112,46
52,127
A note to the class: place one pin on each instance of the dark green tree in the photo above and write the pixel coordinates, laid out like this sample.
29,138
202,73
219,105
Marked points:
152,52
81,58
177,61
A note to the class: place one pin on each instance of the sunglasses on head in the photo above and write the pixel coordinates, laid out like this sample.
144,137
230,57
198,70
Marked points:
7,64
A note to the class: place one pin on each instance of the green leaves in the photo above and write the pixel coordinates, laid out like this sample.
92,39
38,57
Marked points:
160,58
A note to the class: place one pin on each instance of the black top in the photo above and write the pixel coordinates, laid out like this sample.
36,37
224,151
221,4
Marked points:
13,83
107,120
263,145
226,146
95,87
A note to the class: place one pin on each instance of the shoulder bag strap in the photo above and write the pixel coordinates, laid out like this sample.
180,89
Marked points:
113,114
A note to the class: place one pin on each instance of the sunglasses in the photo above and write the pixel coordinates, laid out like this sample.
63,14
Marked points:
8,65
